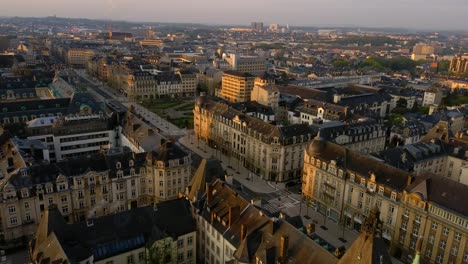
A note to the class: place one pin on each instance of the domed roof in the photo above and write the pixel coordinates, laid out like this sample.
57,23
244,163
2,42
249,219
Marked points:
201,100
316,146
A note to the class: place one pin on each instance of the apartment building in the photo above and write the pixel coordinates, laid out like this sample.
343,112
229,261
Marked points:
236,86
78,57
141,84
315,111
232,230
344,185
73,136
189,83
170,168
436,156
151,234
82,187
364,135
432,209
432,97
459,64
265,92
273,152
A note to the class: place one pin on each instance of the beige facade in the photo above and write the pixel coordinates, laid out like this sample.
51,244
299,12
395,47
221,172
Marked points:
341,187
79,57
236,86
442,230
459,64
247,64
265,92
274,153
90,194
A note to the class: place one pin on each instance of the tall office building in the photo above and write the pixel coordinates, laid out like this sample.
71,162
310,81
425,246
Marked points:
236,86
257,26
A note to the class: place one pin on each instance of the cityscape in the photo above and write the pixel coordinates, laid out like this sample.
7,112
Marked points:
211,141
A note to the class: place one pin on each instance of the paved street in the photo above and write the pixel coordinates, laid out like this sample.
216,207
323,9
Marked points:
275,197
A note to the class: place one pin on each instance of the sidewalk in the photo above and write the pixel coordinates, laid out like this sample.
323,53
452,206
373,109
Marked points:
231,165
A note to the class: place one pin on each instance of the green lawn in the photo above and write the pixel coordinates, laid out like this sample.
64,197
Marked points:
183,122
185,107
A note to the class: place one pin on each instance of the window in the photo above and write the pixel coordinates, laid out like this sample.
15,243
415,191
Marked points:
454,250
130,259
28,217
434,226
13,220
439,259
180,243
457,236
428,252
26,205
389,220
63,199
141,256
445,231
391,209
189,241
180,257
65,209
442,244
418,219
431,239
189,254
11,209
51,200
393,196
406,213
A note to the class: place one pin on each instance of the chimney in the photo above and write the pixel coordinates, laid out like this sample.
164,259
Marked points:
284,246
212,217
409,180
243,232
234,213
209,192
310,229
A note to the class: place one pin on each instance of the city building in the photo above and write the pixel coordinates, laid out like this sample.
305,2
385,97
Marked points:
265,92
432,97
78,57
344,185
170,169
152,234
273,152
315,111
257,26
252,64
189,83
236,86
232,230
433,156
432,209
459,64
366,135
73,136
408,132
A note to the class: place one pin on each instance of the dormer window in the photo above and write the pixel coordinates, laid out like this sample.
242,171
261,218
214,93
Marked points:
49,189
381,190
132,172
24,173
25,193
119,174
363,182
393,196
130,163
118,165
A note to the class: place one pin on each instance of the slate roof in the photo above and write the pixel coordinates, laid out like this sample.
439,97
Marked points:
285,134
384,174
441,191
114,234
168,151
207,172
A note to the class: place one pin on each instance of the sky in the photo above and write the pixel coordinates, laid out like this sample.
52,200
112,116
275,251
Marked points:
412,14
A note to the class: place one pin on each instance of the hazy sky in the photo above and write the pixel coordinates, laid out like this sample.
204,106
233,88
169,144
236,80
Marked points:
419,14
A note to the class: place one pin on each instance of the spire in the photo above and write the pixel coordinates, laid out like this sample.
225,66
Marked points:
417,257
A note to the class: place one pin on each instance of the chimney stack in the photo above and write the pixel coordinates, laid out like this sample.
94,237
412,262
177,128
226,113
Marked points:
209,192
243,232
284,246
234,213
409,180
310,229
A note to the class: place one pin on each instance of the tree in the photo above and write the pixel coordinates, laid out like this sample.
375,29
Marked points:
402,102
159,252
342,63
